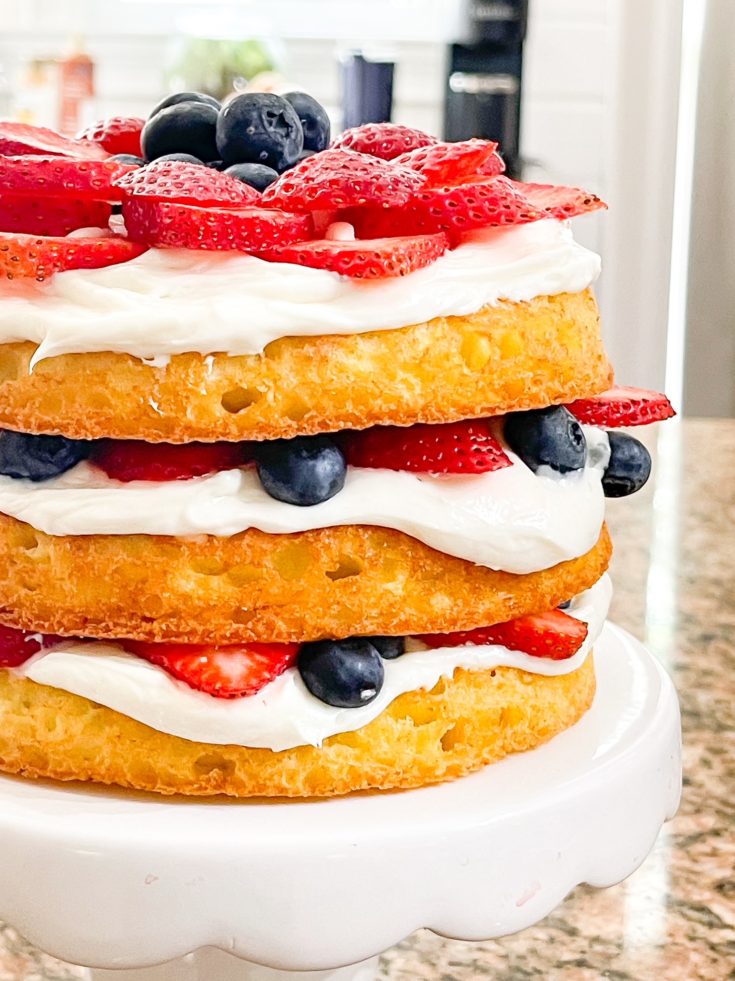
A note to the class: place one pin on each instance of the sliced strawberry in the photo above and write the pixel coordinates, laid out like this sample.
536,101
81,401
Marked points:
447,163
134,459
20,139
342,179
51,216
554,635
230,671
183,226
17,646
384,140
622,407
493,166
23,256
452,447
365,259
557,201
52,176
186,183
119,134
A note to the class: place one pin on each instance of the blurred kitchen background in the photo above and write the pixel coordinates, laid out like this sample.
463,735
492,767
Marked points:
632,100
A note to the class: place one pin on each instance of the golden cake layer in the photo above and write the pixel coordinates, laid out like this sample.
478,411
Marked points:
421,738
508,357
331,582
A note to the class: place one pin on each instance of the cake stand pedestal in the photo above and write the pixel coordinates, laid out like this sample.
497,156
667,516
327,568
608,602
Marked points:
242,891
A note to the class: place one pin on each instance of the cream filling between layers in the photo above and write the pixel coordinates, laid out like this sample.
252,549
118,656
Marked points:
284,714
172,301
512,519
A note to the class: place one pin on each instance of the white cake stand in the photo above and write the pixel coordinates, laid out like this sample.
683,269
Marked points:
122,882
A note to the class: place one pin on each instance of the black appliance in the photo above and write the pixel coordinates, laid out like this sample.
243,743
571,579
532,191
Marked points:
367,90
484,73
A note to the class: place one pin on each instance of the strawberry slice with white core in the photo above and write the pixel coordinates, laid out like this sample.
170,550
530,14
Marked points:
38,257
554,635
364,258
51,216
17,646
446,163
55,176
133,459
166,224
20,139
228,671
186,183
384,140
467,447
622,407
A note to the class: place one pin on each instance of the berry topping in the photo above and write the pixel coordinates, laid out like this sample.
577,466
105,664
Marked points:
365,258
181,226
186,127
256,175
629,466
179,97
229,671
452,447
20,139
340,179
555,635
129,158
120,134
259,127
314,121
134,459
303,471
445,163
385,140
389,648
186,183
188,158
51,216
547,438
344,673
623,407
17,646
39,457
39,257
60,176
556,201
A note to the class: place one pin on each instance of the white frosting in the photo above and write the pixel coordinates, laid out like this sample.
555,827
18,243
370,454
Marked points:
283,714
167,302
510,519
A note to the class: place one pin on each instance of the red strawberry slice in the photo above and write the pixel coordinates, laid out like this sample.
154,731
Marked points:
447,163
384,140
365,258
51,216
622,407
186,183
20,139
554,635
557,201
17,646
23,256
341,179
493,166
452,447
119,134
182,226
229,671
60,176
134,459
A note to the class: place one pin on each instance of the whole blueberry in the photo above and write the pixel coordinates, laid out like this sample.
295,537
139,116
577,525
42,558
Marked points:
178,97
259,127
547,438
188,158
629,466
188,127
314,120
388,647
127,158
304,471
39,457
256,175
215,164
344,673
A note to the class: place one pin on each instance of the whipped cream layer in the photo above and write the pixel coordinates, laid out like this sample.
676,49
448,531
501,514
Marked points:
171,301
510,519
284,714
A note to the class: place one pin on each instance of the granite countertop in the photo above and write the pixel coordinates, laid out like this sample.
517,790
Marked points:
674,575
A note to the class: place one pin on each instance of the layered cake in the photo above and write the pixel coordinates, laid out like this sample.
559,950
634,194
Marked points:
304,455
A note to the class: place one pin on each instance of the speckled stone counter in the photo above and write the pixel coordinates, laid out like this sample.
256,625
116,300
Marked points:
674,919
